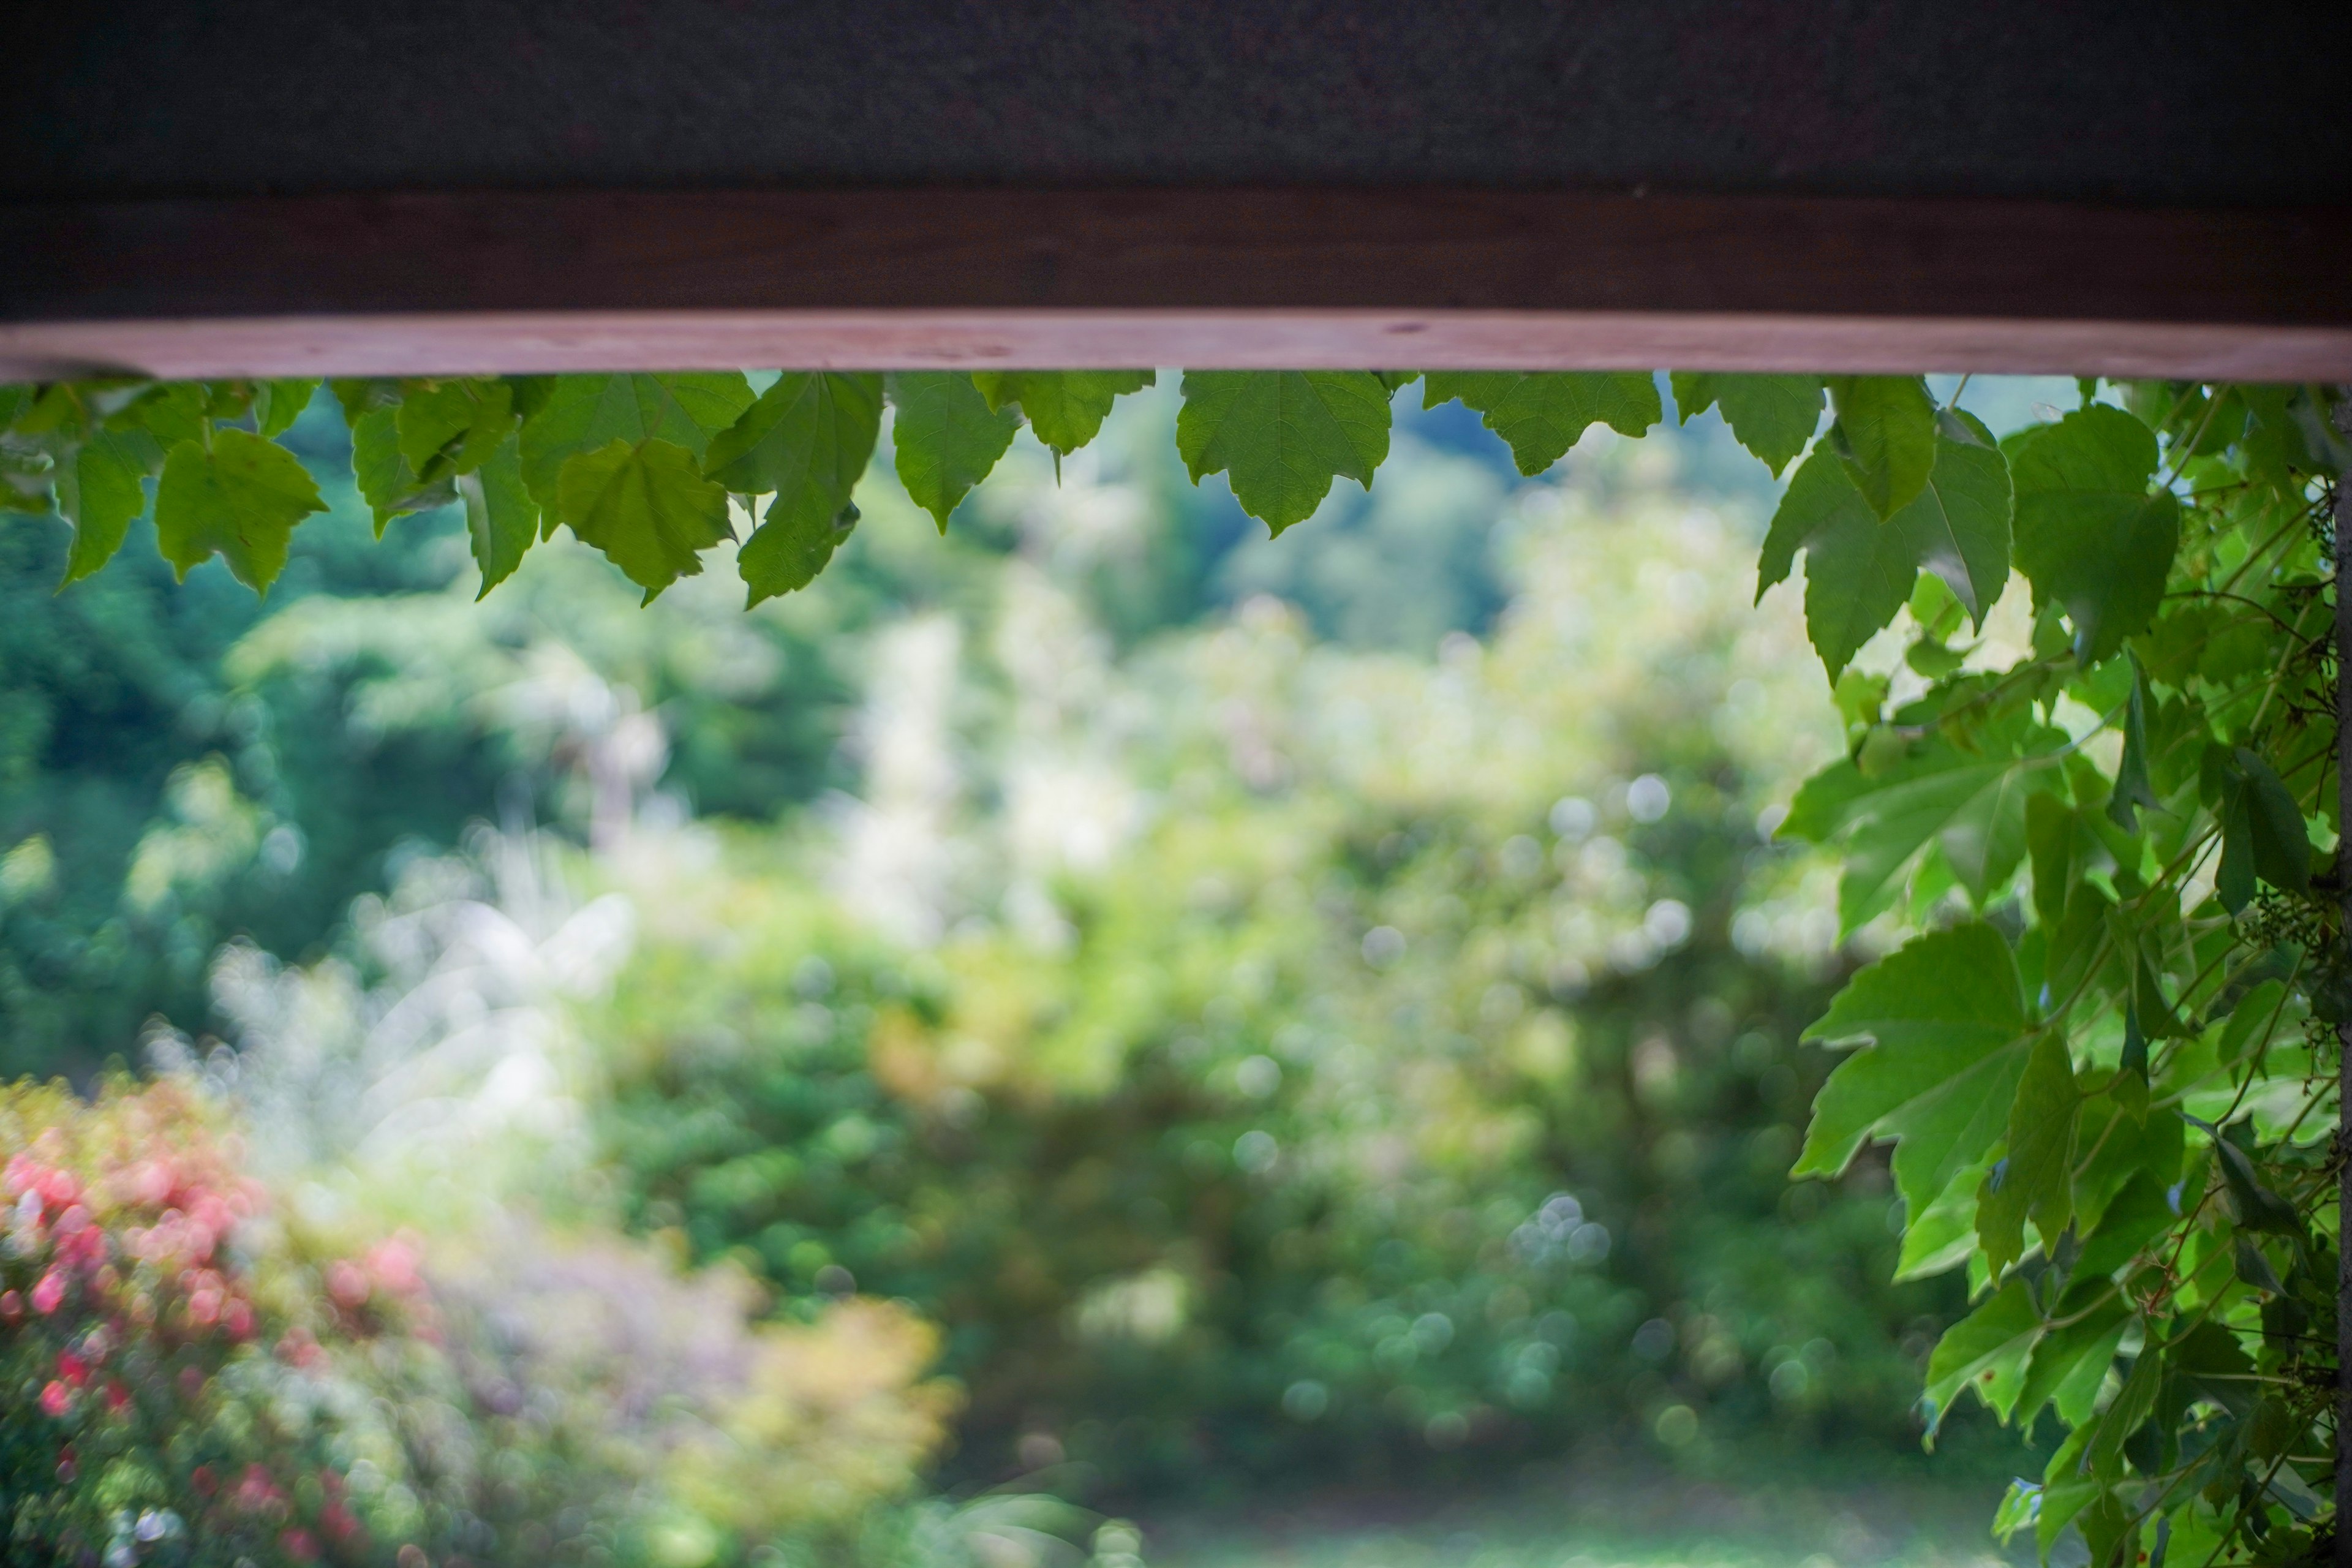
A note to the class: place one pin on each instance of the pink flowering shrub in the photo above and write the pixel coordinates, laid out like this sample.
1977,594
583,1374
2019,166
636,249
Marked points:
188,1375
133,1319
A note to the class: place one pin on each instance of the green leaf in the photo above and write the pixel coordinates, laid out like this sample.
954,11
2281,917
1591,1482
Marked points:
2133,1218
2262,827
387,483
1885,436
1969,805
1859,570
171,412
240,501
1064,407
1944,1234
99,491
453,426
501,520
1985,1351
278,403
786,552
1945,1033
2035,1179
1772,416
1540,415
1959,521
1820,499
1396,380
2133,787
1281,436
946,437
807,439
2256,1206
2090,535
586,413
2071,908
646,505
2103,1456
2069,1362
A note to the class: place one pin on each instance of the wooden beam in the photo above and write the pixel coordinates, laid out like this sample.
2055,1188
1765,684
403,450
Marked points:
502,282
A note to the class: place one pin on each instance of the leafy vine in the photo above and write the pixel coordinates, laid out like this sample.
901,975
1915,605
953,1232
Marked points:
2108,1055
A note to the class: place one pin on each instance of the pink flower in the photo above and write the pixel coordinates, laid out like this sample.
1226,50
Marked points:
393,1264
298,1543
348,1284
50,1293
72,1368
56,1399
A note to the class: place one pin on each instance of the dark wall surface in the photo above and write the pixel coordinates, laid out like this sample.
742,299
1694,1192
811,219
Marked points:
2154,104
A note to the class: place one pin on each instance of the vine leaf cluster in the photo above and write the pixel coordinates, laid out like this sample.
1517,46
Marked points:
2102,1038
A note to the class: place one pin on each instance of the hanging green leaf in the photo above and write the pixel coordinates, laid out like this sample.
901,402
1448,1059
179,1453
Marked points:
448,427
586,413
1064,407
1860,569
240,501
2132,788
2262,827
1985,1351
1885,435
2069,1362
1944,1035
100,492
787,551
2071,906
2035,1179
1772,416
1960,518
1541,415
2092,537
389,486
807,439
278,403
646,505
1972,805
1281,436
501,520
945,436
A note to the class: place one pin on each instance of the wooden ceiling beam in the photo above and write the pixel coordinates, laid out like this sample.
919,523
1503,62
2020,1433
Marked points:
1373,276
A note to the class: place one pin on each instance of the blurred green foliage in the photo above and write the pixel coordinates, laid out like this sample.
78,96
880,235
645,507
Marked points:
1280,1009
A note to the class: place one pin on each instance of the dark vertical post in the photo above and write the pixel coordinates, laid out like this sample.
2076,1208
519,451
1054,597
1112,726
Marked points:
2344,1030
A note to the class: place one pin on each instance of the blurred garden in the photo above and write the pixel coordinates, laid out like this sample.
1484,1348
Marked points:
1079,1042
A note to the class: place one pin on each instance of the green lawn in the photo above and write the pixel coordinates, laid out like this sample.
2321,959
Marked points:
1612,1521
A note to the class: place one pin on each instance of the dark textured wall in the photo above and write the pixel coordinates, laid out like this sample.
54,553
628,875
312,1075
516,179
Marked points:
2147,102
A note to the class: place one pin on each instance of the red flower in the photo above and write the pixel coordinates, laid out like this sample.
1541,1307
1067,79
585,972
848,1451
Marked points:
337,1520
202,1478
117,1398
72,1368
49,1292
56,1400
12,1305
298,1543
